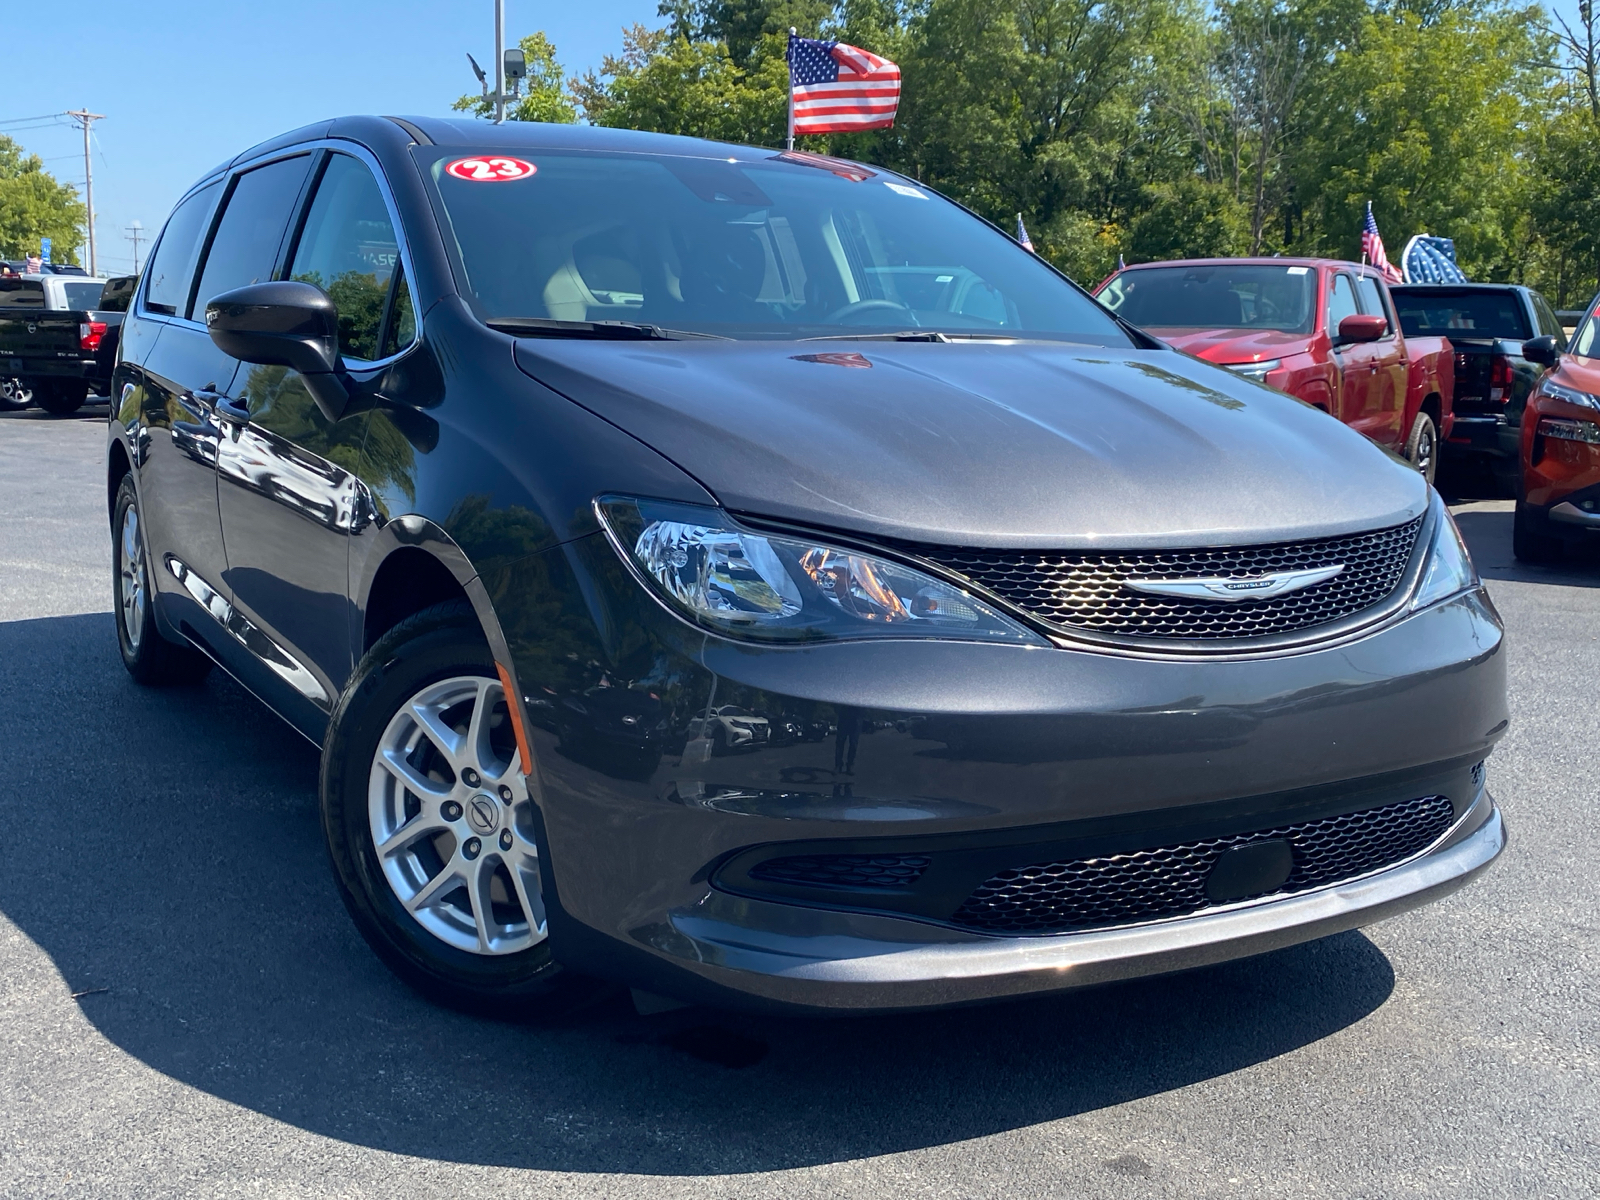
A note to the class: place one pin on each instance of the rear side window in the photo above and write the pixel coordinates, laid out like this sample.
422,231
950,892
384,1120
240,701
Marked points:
21,293
83,295
245,247
172,265
1549,323
1341,302
1371,297
348,249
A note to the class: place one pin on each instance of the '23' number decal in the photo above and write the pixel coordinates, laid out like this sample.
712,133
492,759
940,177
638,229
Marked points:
490,170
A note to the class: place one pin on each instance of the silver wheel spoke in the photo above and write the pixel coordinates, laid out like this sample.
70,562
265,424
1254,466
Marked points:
395,763
475,745
482,903
528,895
424,824
436,731
441,885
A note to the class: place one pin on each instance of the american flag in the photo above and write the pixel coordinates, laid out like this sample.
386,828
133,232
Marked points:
835,88
1372,247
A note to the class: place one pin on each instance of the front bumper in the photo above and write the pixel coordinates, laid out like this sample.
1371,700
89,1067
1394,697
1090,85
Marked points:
965,748
852,964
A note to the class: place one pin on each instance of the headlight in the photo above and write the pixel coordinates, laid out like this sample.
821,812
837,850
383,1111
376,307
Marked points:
1569,395
1449,568
1255,370
755,585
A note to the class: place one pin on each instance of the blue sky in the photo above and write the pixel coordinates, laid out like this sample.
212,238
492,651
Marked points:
186,84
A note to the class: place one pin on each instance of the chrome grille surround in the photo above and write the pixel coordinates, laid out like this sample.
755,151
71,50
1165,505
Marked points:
1082,592
1170,881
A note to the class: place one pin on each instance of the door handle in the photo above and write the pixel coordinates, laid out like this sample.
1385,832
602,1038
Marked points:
232,410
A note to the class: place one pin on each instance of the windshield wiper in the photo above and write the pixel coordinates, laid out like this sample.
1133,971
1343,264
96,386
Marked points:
911,335
624,331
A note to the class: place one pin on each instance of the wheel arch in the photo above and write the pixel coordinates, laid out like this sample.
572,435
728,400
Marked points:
415,565
118,467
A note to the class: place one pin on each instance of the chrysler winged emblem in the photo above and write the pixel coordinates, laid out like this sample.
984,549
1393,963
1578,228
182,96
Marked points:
1219,587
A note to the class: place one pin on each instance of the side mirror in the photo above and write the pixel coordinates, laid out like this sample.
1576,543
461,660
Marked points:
1542,350
284,324
1362,329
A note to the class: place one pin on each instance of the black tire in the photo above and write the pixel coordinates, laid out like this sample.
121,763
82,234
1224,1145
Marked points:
1422,446
60,399
439,643
1531,540
149,657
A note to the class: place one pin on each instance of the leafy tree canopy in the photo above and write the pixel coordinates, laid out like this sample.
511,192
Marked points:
35,205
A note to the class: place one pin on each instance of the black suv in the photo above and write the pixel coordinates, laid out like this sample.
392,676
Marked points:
1487,324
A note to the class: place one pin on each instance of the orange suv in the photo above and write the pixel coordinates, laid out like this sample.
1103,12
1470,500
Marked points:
1558,503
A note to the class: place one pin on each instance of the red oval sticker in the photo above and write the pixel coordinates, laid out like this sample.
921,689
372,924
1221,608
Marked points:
490,170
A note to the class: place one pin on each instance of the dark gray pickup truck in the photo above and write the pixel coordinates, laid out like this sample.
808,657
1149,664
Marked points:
57,338
1487,324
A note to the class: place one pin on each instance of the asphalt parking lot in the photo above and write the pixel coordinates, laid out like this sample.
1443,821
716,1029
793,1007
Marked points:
185,1009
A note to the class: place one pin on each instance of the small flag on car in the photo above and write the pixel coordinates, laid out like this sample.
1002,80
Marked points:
1023,239
1372,247
835,88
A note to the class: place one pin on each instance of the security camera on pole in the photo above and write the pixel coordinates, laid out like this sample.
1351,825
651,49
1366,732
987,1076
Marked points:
509,66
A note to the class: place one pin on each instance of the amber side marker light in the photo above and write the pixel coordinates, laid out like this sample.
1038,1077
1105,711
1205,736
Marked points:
514,708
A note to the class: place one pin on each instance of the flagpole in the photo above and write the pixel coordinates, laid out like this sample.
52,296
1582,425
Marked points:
790,57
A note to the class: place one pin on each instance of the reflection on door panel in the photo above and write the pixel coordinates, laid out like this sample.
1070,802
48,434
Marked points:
287,489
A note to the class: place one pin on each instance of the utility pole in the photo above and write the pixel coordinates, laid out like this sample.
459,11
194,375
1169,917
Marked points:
135,233
85,119
499,61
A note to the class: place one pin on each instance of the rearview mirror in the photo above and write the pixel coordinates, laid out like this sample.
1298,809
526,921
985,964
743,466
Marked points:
1362,329
1542,350
284,324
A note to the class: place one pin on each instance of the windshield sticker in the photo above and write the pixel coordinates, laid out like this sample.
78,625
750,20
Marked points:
491,170
904,190
1298,270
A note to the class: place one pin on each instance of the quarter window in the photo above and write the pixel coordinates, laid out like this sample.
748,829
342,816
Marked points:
172,266
245,247
350,251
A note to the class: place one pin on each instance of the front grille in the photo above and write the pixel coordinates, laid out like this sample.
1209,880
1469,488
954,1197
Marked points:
845,870
1170,881
1082,590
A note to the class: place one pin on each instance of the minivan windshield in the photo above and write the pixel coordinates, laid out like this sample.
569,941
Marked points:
1224,296
783,246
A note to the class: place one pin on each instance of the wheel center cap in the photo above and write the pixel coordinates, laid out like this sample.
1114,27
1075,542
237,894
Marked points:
483,814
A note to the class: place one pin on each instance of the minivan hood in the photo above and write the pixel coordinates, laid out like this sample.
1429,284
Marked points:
1234,345
987,444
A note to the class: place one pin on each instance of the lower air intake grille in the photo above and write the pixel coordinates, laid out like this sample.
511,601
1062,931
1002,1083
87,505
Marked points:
1083,590
845,870
1170,881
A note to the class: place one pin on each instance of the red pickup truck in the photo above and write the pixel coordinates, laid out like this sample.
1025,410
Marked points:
1321,330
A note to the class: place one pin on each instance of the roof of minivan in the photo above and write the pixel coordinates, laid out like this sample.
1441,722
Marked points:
1253,262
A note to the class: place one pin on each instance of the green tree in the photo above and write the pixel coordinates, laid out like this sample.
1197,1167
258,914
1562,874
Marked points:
545,96
34,205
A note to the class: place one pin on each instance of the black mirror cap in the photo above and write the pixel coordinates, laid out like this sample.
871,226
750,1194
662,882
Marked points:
277,324
1542,350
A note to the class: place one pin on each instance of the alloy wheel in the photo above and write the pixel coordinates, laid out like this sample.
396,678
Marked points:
1426,448
131,578
451,821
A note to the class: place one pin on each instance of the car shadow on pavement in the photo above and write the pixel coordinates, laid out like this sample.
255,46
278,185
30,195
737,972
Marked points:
176,878
1487,531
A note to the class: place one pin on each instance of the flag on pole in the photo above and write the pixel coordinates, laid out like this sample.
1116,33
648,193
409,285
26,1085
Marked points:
835,88
1372,247
1023,239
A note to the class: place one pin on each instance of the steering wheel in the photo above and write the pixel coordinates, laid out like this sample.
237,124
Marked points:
838,316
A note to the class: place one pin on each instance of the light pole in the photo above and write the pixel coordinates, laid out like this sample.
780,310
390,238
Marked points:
509,65
85,119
